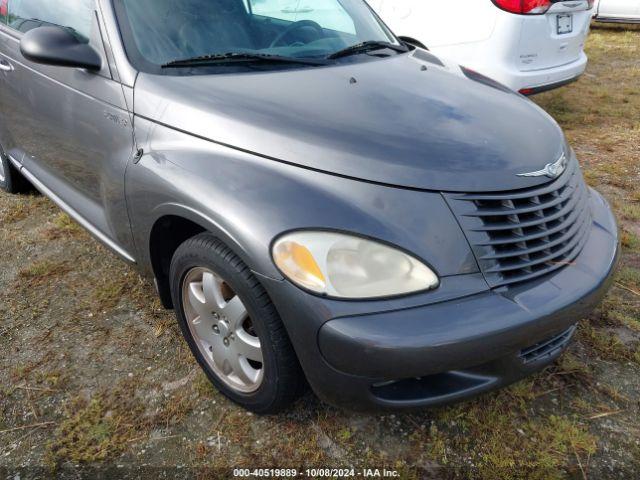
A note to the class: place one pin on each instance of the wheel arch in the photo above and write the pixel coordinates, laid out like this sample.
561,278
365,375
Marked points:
174,225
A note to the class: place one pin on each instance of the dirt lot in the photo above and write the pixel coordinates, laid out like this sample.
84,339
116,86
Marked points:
94,377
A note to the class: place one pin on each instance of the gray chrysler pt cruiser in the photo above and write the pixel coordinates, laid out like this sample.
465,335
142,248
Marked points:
319,200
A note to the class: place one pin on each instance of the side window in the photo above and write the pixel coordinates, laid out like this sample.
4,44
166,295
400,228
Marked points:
76,15
328,14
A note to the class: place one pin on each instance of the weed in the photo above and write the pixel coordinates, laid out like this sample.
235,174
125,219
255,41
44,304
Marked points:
109,294
95,429
41,271
629,277
502,443
63,225
607,344
630,211
630,240
20,207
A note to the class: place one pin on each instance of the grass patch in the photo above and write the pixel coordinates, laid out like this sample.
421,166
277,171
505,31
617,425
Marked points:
629,277
63,226
608,345
109,294
95,429
42,271
569,364
204,387
175,409
629,240
500,442
629,211
15,213
616,310
20,207
120,282
107,424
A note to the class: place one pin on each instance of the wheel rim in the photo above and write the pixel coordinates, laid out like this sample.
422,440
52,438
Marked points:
1,169
222,329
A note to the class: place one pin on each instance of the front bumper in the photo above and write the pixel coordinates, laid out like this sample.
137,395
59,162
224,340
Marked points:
450,349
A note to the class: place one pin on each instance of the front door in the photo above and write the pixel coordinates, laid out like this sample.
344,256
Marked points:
69,126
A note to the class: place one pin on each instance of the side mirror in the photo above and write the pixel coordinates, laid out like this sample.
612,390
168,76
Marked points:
58,46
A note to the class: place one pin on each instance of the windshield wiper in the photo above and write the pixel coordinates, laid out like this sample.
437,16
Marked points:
367,46
240,57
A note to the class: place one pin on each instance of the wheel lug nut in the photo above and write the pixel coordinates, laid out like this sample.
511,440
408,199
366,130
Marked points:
226,342
216,329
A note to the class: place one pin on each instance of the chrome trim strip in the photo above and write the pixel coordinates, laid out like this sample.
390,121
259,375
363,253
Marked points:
15,162
73,214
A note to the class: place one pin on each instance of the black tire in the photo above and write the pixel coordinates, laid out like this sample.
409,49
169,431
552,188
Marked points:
283,379
12,182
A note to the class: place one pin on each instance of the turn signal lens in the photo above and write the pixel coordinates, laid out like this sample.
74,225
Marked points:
297,262
346,266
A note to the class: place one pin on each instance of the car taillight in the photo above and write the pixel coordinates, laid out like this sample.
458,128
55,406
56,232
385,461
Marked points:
524,7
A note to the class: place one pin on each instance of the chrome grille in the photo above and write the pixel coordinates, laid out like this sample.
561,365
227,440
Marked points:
523,234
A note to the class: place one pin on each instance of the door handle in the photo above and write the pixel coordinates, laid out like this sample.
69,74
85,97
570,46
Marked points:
5,66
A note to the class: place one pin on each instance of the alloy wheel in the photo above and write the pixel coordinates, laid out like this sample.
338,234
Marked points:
222,329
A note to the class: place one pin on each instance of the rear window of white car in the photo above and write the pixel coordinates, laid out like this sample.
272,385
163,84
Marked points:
326,13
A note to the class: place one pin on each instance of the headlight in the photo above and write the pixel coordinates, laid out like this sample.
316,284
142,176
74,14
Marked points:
346,266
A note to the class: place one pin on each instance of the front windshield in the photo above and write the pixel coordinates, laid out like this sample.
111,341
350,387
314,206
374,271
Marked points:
157,32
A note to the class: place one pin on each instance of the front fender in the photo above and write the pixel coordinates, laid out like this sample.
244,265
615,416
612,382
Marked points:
248,201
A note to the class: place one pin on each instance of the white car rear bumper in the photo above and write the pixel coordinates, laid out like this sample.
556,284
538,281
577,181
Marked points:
538,80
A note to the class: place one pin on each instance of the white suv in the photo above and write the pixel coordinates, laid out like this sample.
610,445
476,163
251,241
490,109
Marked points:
528,45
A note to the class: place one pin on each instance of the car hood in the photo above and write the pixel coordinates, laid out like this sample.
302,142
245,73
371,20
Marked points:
387,120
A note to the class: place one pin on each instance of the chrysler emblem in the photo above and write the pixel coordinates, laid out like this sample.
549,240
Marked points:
551,170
